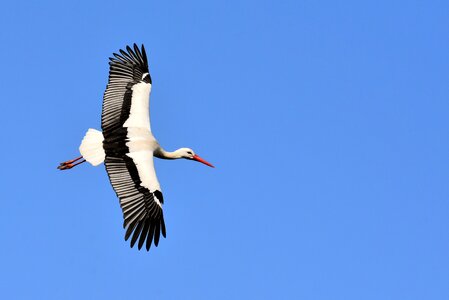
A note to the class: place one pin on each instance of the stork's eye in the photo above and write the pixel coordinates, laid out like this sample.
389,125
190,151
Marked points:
188,152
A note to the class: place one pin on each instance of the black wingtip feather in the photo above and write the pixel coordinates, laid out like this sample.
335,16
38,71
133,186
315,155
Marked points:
136,49
132,53
136,233
144,233
150,236
144,54
163,226
126,57
157,234
130,229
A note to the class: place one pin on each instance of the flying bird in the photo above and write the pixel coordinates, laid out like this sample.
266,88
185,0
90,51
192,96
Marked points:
127,146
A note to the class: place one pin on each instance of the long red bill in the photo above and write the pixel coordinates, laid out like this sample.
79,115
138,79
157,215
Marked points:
197,158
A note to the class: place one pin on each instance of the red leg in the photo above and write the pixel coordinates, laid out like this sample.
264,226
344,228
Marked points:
70,163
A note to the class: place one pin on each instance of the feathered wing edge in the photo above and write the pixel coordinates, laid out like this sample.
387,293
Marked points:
135,62
144,226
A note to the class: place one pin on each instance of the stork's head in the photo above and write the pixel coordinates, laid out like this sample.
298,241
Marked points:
188,153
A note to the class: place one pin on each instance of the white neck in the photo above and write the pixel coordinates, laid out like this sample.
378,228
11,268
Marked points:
161,153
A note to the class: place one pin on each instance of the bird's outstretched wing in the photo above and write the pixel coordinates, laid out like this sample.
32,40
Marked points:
142,209
129,145
126,99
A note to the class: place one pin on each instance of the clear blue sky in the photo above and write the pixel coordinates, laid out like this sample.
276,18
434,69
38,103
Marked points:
327,121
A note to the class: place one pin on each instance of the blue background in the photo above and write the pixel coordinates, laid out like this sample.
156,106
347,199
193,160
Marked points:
327,121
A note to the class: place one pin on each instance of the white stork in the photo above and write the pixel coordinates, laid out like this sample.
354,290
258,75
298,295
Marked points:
127,146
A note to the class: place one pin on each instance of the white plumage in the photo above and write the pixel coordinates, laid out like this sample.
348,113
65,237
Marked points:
91,147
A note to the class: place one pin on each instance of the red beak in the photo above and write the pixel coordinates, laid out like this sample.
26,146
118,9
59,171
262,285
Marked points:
197,158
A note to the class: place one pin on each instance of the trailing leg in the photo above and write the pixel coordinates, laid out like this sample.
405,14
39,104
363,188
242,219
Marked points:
71,163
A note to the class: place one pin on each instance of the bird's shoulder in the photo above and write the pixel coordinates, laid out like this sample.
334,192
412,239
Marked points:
141,139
